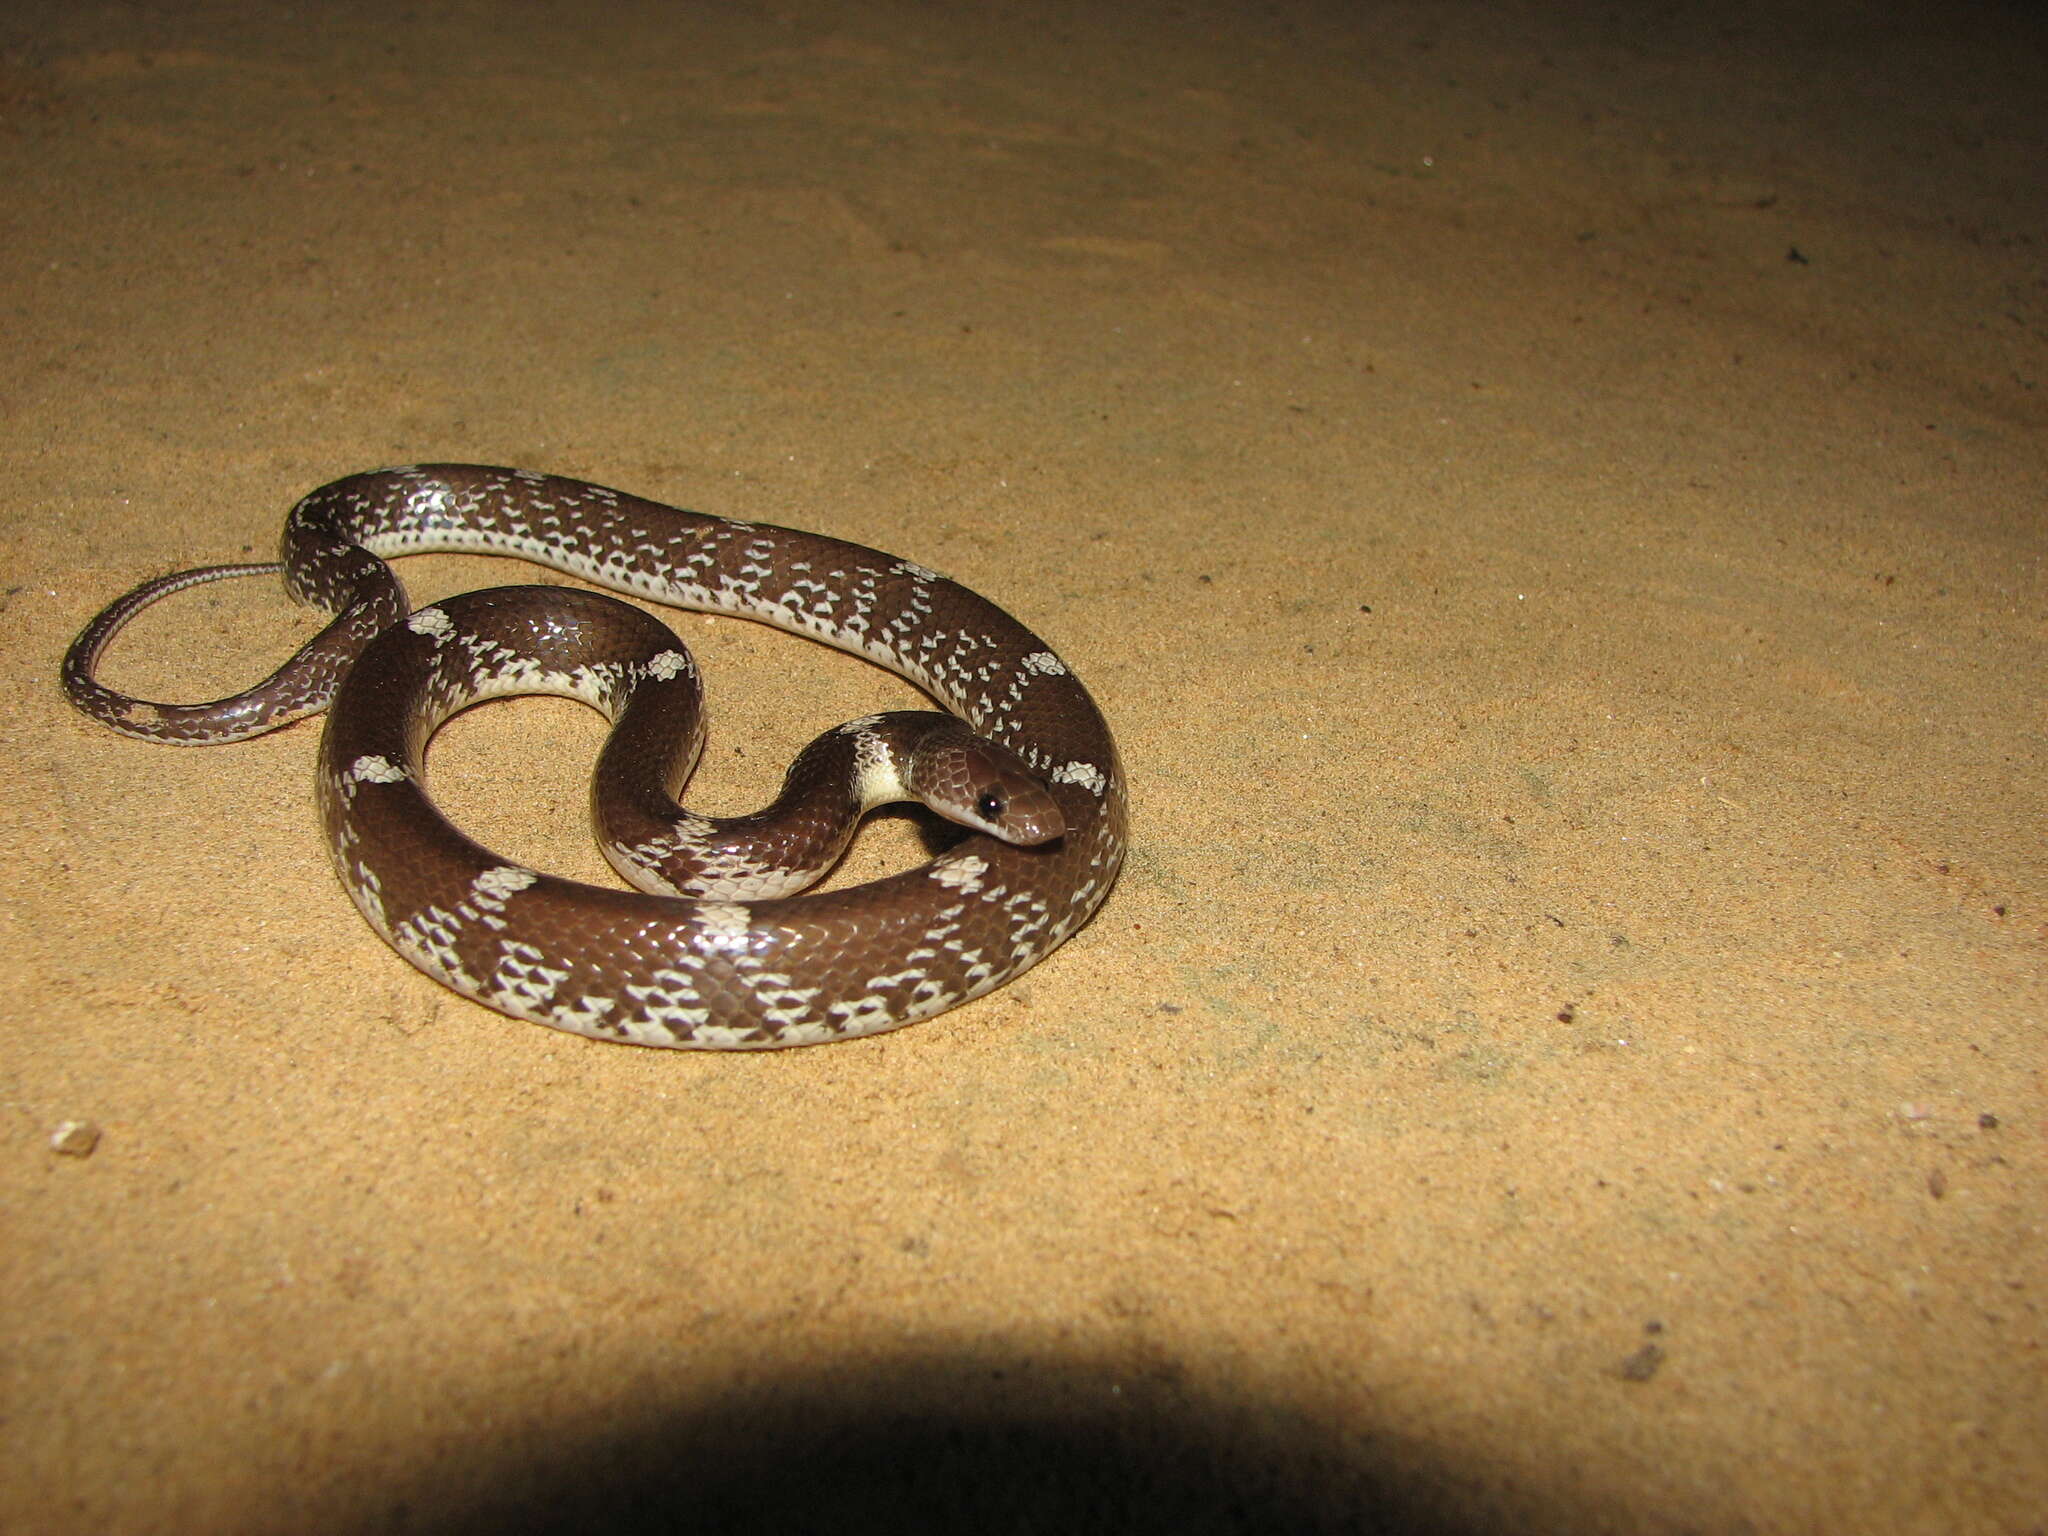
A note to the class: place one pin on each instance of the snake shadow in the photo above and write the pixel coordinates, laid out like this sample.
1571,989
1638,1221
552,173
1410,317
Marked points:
994,1444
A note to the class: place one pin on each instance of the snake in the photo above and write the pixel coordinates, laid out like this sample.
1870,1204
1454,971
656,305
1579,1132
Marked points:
720,944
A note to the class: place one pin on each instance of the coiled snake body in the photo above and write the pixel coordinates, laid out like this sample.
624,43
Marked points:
713,951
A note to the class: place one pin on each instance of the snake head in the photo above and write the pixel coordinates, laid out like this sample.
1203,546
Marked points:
984,785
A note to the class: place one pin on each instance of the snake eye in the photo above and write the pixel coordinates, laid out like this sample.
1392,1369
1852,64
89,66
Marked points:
990,806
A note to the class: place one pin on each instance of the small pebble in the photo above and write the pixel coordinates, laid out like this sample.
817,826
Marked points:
75,1138
1642,1365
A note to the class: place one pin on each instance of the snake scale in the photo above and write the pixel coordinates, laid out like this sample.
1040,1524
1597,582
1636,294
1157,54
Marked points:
715,950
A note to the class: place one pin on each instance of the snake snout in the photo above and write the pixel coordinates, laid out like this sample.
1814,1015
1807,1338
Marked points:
1020,812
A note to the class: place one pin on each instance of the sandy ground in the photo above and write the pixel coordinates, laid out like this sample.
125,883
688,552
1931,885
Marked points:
1552,501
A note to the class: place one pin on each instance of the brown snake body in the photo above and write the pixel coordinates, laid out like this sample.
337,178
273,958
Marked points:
736,963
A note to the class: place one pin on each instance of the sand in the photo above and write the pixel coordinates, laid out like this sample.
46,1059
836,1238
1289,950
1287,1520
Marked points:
1551,499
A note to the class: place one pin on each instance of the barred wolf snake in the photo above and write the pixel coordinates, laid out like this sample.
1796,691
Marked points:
715,950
